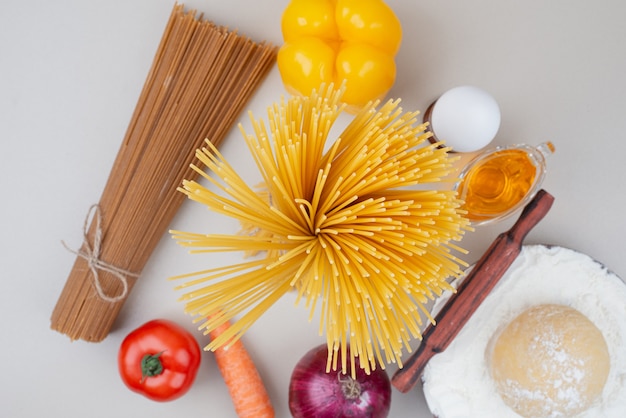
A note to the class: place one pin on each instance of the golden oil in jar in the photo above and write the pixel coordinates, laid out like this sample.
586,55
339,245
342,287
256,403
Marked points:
499,181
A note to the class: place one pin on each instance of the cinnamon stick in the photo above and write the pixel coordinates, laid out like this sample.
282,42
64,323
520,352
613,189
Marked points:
472,291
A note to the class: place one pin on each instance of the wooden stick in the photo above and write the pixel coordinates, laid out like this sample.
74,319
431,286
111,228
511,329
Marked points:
472,291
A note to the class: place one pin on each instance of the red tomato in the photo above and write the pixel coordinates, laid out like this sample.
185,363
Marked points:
159,360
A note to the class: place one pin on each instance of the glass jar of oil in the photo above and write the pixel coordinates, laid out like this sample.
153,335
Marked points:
498,182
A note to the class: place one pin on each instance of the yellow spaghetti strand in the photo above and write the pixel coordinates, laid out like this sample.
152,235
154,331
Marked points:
359,228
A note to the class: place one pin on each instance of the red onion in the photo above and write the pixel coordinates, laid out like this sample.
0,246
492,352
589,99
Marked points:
315,393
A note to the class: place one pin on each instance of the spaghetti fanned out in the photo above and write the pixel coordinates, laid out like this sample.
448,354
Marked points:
358,228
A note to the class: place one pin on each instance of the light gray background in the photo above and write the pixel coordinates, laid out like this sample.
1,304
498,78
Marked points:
70,76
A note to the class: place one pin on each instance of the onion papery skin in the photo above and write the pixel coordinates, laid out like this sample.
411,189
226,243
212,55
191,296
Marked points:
313,393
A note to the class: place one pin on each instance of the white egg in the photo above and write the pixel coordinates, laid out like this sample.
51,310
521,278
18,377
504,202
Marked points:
465,118
458,382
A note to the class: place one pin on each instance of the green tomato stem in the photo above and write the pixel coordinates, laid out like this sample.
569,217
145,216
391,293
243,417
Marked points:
151,365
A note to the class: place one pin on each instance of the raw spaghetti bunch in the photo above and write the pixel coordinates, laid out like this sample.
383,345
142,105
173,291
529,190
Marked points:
358,227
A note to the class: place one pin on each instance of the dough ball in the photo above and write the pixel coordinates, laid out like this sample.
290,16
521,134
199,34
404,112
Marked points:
550,361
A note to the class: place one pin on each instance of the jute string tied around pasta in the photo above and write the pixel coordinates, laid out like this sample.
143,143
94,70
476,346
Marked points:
92,256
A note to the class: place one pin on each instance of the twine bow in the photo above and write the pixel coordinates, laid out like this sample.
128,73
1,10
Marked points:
92,255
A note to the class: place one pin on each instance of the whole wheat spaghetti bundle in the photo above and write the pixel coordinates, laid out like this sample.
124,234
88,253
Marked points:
201,78
360,227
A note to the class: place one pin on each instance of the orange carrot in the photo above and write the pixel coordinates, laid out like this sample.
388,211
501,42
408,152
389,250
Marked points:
242,378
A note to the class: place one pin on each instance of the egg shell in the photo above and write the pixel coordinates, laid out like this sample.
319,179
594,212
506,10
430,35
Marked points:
465,118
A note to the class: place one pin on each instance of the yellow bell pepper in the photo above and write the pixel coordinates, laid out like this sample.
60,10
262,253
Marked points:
340,41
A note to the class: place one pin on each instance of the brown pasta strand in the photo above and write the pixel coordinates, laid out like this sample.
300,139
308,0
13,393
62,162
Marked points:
201,78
